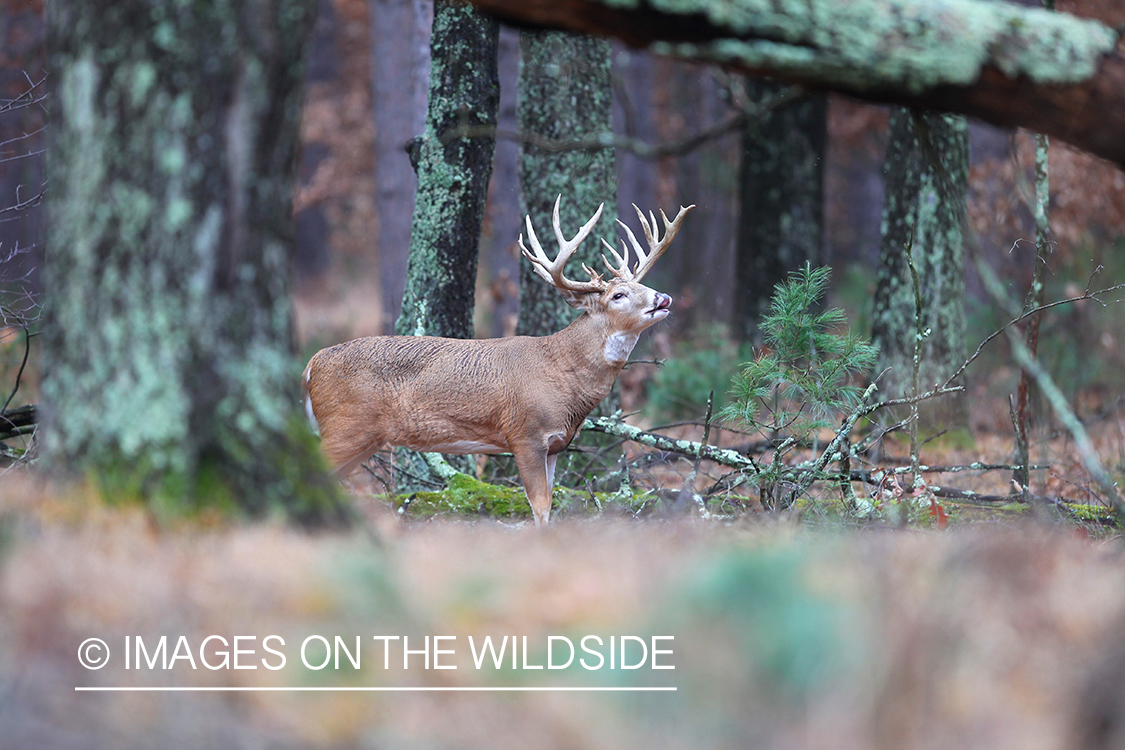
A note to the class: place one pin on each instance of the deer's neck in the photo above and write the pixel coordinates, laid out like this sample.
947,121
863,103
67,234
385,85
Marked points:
586,358
592,351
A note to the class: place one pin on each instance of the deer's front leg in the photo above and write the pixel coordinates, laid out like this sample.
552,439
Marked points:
537,472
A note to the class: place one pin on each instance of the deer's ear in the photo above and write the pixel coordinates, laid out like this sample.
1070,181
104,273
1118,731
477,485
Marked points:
581,300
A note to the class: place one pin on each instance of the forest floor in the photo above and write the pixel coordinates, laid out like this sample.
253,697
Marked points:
992,634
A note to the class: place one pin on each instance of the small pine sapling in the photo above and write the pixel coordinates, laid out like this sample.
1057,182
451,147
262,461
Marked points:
800,382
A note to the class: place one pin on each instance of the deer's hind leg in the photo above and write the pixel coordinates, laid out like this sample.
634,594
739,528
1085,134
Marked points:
344,454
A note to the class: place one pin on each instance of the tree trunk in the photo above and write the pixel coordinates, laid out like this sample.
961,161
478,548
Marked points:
927,171
781,221
453,174
1005,64
168,363
693,100
564,95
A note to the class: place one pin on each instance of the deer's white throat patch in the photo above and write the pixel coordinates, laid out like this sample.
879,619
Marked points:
618,346
312,417
308,403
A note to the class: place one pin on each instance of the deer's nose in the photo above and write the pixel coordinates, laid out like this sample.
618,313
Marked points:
663,301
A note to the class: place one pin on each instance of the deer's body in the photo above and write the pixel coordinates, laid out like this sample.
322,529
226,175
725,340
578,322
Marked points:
524,395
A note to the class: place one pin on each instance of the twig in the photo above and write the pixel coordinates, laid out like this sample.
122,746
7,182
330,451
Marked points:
957,469
919,336
1020,411
19,373
17,432
657,362
936,392
831,450
409,475
26,98
690,448
19,205
687,491
1086,451
1087,295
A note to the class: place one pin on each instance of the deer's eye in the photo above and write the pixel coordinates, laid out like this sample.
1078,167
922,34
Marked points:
619,295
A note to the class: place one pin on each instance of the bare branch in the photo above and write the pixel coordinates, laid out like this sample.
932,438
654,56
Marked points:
635,146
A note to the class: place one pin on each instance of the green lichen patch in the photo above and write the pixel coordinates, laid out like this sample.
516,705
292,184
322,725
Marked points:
1097,514
468,496
287,479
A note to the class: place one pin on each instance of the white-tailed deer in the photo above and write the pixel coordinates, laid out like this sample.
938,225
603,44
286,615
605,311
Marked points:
524,395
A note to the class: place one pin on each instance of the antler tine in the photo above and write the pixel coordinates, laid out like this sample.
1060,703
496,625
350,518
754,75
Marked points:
540,263
643,258
622,269
656,247
552,271
567,247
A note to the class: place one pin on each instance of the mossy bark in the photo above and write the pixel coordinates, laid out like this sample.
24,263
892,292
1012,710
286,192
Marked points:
927,167
453,174
168,360
781,216
564,95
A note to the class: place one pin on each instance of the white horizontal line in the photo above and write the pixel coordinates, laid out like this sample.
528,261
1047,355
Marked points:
373,689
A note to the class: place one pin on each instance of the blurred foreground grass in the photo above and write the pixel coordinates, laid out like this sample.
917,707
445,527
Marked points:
784,637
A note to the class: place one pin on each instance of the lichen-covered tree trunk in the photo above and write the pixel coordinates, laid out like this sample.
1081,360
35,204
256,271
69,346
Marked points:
168,363
453,174
564,95
927,167
781,217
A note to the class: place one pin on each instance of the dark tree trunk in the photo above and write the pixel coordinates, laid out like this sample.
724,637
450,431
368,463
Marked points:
564,95
168,366
781,221
702,266
453,174
927,171
500,258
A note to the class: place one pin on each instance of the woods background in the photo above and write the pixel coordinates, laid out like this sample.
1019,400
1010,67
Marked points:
796,624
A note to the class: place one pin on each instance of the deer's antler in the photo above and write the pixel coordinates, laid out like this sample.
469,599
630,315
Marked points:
552,270
656,246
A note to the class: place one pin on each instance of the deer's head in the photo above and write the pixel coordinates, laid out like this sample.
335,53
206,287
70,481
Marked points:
628,305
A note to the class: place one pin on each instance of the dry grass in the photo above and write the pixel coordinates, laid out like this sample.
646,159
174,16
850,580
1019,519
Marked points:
991,636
